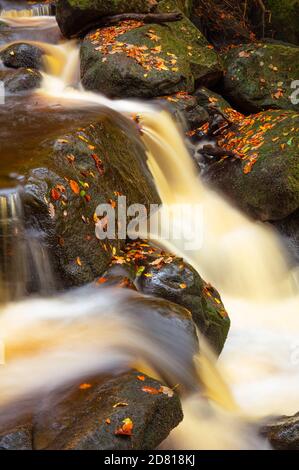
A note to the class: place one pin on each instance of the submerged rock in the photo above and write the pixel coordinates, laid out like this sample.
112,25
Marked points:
18,437
166,276
264,182
138,60
129,412
22,55
21,80
283,433
259,76
69,177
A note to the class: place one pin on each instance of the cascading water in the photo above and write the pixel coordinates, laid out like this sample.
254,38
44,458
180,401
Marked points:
24,261
243,259
18,10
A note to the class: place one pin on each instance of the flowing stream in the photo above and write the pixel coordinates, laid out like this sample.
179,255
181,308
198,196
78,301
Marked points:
88,331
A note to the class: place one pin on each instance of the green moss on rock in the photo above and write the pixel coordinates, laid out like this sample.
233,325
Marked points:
169,58
259,76
270,189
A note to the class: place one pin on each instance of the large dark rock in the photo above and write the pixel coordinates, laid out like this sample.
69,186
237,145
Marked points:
90,416
166,276
137,60
264,182
22,55
259,76
184,107
283,433
68,177
21,80
73,15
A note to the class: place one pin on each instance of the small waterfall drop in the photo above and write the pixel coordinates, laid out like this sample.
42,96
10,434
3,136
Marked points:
24,262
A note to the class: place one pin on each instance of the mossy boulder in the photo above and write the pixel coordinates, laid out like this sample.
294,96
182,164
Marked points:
259,76
22,55
264,181
165,276
74,15
68,177
137,60
284,19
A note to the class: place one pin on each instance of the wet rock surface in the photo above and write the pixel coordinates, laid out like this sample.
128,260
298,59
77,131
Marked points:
259,76
21,80
267,145
71,176
131,411
138,60
19,437
22,55
165,276
283,433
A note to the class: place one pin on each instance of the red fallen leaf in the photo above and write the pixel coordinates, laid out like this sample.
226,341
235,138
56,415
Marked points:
98,163
151,390
141,377
74,187
87,197
55,195
102,280
126,429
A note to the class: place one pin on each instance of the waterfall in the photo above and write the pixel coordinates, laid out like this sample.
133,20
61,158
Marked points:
24,262
87,331
18,12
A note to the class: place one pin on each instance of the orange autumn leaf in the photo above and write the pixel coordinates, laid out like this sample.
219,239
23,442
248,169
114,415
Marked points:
84,386
102,280
141,377
126,429
74,187
151,390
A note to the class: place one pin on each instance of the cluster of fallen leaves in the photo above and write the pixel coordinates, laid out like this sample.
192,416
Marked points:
105,40
250,134
210,293
142,256
127,425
